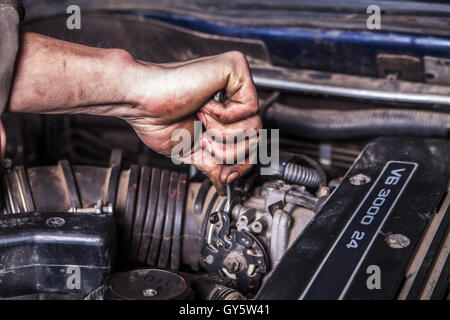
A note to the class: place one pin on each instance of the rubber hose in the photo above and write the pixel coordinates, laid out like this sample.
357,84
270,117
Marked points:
327,124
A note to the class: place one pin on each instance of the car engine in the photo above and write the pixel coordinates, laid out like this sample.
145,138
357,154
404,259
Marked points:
360,186
83,231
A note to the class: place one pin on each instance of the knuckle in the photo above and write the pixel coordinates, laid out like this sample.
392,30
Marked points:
237,56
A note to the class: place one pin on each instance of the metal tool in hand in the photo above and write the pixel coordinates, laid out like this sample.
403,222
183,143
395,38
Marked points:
228,202
220,96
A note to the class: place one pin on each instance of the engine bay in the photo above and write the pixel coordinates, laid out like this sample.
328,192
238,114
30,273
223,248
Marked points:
360,186
112,232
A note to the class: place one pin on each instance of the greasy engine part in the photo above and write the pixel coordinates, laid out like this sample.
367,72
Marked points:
166,222
244,244
300,170
63,254
150,216
57,232
375,219
148,203
61,188
271,225
159,284
301,175
79,207
212,287
147,284
237,255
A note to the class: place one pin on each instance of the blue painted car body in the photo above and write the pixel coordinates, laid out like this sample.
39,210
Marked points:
344,51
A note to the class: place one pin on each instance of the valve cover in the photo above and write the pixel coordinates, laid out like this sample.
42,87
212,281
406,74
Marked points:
374,222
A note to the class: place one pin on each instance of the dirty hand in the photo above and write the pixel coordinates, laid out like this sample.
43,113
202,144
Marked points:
182,93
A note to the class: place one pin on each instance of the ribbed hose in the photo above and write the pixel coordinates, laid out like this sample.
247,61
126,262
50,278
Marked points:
150,212
298,174
224,293
352,124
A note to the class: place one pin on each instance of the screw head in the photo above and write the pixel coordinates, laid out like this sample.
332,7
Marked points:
55,222
359,179
397,241
149,292
7,163
209,259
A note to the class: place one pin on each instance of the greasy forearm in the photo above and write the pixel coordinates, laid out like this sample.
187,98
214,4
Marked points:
54,76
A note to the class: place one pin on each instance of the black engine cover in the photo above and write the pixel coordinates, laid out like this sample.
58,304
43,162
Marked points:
334,257
54,255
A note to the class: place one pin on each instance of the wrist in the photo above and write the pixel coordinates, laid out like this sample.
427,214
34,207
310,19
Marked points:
119,75
136,82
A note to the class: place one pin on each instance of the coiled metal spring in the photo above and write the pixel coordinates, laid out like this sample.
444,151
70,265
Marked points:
298,174
222,292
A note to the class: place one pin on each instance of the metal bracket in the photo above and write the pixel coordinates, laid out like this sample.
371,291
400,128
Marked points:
400,67
437,70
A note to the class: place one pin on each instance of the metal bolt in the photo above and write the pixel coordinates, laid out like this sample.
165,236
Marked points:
98,206
397,241
209,259
323,192
243,220
7,163
233,262
55,222
233,265
149,292
109,208
257,227
359,179
213,218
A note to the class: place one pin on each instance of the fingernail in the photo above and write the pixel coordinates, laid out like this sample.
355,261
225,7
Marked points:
204,110
202,118
206,145
232,176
